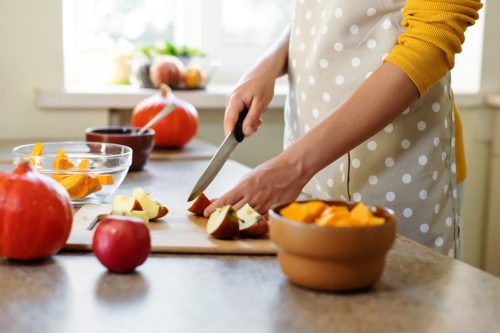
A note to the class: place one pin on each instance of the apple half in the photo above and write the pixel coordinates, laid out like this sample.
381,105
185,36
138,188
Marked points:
199,204
124,203
251,223
223,223
153,208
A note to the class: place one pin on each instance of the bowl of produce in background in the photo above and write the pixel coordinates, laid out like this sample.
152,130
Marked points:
180,67
90,171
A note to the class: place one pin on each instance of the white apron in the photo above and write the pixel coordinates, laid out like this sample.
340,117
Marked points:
410,165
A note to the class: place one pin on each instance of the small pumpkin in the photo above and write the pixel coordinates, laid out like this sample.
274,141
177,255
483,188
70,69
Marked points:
174,130
35,214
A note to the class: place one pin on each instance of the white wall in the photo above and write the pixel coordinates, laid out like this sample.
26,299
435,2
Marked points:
31,58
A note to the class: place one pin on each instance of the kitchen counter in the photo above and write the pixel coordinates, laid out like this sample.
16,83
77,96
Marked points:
420,290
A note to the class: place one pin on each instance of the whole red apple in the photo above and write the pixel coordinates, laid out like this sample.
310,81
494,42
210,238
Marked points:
121,243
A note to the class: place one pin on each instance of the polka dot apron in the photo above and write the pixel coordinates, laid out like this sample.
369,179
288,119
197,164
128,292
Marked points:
409,166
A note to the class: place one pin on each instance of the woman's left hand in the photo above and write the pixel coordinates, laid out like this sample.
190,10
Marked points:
271,182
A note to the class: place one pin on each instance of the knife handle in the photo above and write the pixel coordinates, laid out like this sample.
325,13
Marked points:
238,128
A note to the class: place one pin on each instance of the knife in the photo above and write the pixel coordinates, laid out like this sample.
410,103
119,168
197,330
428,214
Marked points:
220,157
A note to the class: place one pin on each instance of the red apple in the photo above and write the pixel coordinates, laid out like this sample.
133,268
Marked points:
223,223
121,243
199,204
252,224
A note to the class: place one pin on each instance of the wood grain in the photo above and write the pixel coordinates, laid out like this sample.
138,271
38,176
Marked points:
177,232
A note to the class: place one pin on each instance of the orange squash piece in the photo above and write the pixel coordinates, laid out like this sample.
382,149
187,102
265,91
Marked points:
59,176
61,162
360,215
36,152
74,184
105,179
93,184
84,165
37,149
304,212
332,215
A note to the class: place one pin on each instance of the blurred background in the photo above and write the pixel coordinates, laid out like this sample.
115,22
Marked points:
66,65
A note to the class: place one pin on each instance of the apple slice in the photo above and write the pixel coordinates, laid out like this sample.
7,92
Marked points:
223,223
199,204
153,208
140,214
124,203
251,223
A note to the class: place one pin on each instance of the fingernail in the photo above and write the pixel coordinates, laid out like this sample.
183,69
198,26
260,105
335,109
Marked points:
249,130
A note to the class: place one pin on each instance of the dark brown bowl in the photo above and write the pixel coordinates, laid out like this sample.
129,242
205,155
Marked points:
332,258
141,145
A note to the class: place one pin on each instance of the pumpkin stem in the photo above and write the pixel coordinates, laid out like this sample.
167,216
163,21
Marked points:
23,167
164,89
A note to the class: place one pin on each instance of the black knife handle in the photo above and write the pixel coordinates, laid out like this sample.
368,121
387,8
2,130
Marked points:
238,128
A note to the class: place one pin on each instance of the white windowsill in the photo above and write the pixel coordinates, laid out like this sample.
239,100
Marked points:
127,97
212,97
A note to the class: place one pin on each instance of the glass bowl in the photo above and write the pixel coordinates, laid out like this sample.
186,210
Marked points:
90,171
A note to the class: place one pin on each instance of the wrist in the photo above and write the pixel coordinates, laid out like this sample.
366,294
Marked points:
297,165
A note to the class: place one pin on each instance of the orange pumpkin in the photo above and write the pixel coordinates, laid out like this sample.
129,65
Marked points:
35,214
174,130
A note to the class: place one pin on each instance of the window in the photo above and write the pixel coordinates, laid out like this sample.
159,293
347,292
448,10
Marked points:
102,35
466,76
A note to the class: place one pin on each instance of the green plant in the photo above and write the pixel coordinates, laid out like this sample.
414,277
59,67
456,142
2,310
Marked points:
169,48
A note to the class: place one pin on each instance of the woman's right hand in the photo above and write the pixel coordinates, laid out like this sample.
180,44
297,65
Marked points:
254,92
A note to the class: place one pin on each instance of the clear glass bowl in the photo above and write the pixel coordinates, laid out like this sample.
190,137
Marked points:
105,161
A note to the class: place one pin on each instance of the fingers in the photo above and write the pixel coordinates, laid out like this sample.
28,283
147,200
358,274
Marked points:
229,198
252,120
234,106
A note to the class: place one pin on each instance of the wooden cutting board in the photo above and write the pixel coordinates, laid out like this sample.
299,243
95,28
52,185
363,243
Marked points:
177,232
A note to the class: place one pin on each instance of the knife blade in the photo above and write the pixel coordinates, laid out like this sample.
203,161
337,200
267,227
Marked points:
220,157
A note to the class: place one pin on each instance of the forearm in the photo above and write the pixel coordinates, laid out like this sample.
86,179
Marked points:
379,100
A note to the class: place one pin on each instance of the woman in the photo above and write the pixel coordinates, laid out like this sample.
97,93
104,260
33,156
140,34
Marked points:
369,115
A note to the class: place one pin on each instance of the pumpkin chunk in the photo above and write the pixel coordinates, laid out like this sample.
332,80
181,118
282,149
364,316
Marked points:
105,179
305,212
331,216
74,184
36,152
84,165
61,162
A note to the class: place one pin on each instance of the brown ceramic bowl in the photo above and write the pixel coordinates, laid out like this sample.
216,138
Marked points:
141,144
332,258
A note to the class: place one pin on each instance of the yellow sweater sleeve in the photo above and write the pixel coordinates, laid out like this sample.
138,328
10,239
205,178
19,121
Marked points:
434,33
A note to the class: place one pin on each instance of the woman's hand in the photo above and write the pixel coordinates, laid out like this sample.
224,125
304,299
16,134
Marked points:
255,90
273,181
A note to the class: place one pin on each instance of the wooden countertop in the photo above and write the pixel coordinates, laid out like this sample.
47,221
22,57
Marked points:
420,290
